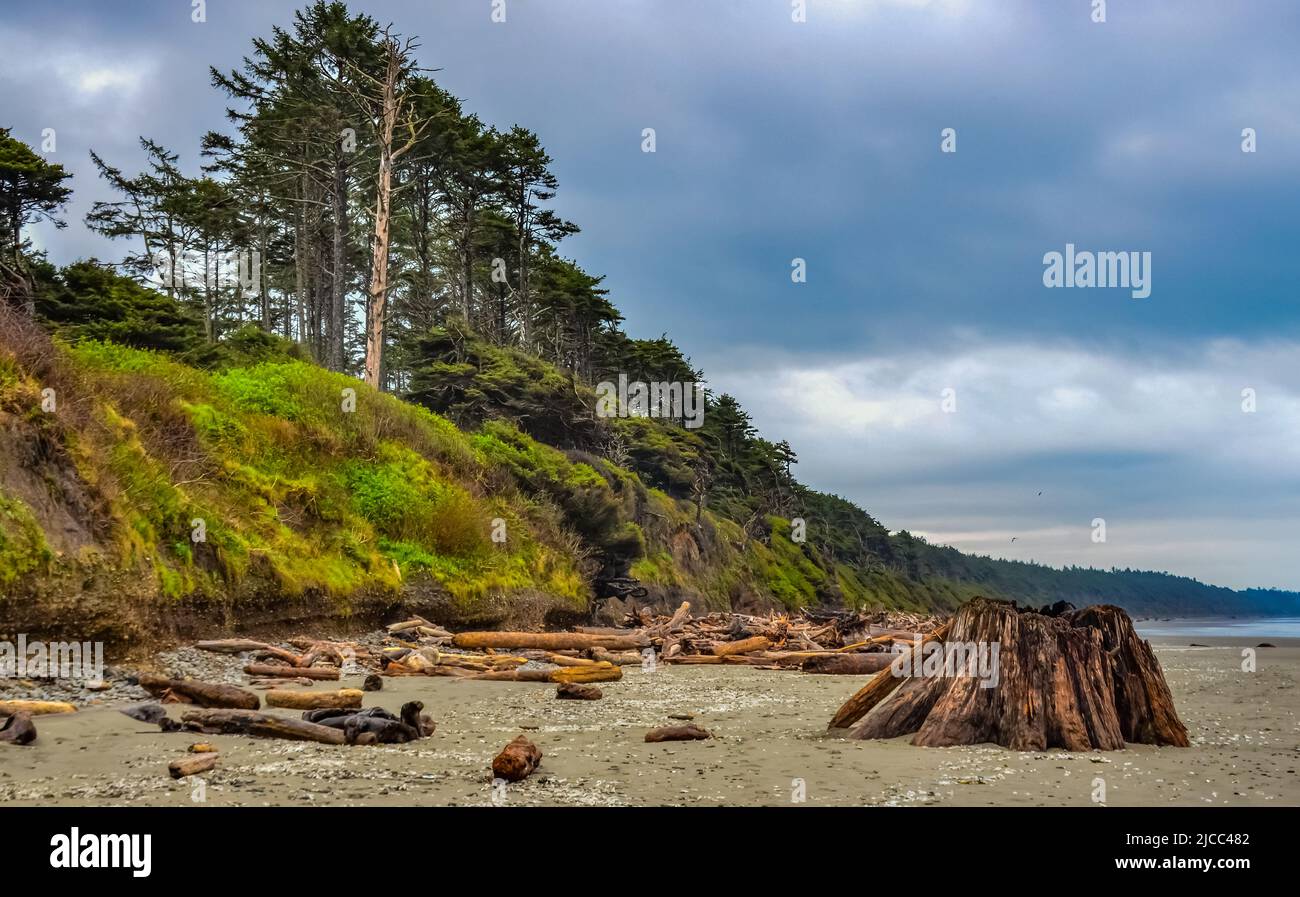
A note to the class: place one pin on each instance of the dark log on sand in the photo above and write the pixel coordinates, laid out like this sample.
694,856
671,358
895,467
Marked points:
1081,681
259,725
314,700
880,687
18,729
268,671
549,641
574,691
190,766
688,732
742,646
847,664
517,760
146,713
204,694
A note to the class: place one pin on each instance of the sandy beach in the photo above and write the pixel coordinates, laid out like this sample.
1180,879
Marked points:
771,749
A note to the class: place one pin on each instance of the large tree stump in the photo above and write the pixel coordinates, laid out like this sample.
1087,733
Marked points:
1082,680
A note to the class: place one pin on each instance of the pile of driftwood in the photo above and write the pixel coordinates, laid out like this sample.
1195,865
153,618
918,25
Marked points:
813,641
1074,679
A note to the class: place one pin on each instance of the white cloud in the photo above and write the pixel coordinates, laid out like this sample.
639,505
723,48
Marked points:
1156,442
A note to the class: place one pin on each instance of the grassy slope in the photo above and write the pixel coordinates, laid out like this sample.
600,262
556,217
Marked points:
359,511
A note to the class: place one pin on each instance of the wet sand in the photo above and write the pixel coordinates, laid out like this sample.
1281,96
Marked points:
770,728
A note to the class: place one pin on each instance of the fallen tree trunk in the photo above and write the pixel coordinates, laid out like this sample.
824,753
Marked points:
189,766
743,646
563,660
310,700
231,645
258,725
618,658
576,692
204,694
881,686
517,760
847,664
597,672
269,671
35,708
1028,681
549,641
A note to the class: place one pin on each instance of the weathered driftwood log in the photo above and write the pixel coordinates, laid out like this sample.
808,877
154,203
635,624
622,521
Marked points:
204,694
189,766
846,664
1081,681
597,672
270,671
563,660
550,641
513,675
882,685
517,760
742,646
299,682
688,732
231,645
619,658
201,747
35,708
675,622
312,700
577,692
259,725
18,729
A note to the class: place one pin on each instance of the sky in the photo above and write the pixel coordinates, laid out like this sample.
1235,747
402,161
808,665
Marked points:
922,369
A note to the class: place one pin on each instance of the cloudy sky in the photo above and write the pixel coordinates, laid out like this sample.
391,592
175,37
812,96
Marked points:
820,140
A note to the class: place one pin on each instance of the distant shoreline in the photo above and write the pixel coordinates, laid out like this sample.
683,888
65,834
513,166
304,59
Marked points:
1220,628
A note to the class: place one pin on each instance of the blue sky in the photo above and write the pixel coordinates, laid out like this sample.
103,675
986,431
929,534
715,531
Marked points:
821,140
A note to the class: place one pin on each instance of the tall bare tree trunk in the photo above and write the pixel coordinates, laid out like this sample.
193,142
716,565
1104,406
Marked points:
376,306
334,334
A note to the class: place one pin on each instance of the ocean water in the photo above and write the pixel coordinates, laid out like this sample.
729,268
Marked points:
1264,627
